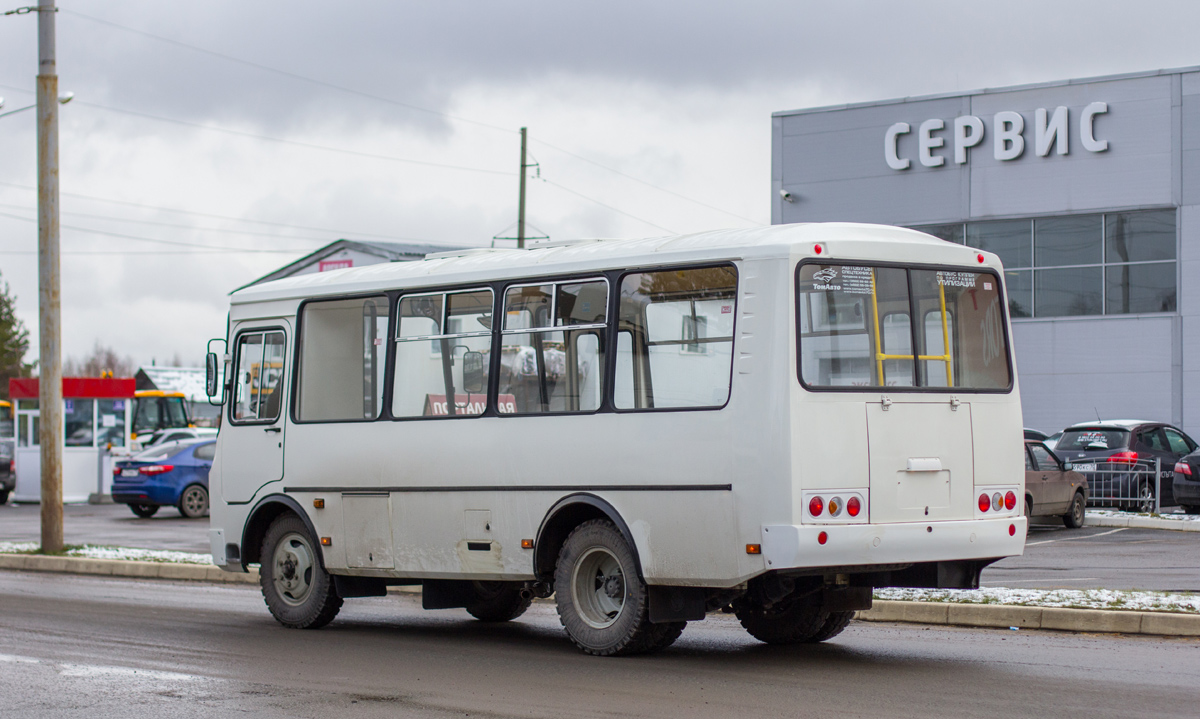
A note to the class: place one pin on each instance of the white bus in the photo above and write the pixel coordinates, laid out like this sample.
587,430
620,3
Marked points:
769,421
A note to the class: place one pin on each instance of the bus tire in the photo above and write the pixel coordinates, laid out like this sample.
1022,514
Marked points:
785,623
497,601
295,586
833,626
602,603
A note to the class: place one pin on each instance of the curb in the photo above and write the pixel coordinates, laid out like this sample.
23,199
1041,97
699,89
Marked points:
126,568
1056,618
937,613
1142,523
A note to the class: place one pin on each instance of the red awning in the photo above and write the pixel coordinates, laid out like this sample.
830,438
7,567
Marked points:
76,387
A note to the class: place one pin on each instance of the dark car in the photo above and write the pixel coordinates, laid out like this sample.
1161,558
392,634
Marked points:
1186,484
1052,488
168,475
1124,451
1035,434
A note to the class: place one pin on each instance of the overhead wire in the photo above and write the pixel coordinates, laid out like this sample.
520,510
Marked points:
610,207
409,106
125,203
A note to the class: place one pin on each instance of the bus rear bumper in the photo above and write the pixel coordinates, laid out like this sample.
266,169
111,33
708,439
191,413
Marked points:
789,546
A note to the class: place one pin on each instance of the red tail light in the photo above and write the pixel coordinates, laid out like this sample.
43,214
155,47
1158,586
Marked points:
1183,468
1124,457
815,506
985,503
822,538
156,468
853,506
1010,500
116,471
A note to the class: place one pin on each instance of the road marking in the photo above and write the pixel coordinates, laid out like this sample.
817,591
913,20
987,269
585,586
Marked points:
1072,539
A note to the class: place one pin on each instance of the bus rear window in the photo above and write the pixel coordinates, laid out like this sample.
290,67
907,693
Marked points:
863,326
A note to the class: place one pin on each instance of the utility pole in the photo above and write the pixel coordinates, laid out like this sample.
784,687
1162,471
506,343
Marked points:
50,399
521,201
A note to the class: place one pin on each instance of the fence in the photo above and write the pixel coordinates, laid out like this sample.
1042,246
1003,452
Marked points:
1132,485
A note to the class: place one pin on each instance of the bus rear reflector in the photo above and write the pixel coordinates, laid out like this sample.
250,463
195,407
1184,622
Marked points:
815,506
1012,530
985,503
822,538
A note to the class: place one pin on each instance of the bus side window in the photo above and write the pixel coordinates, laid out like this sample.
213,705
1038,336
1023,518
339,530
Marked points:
675,338
443,354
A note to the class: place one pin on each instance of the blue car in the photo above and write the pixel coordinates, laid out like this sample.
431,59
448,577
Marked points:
174,474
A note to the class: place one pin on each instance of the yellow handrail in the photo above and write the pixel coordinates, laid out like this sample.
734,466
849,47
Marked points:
880,356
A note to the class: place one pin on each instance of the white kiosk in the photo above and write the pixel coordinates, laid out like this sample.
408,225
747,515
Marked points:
96,417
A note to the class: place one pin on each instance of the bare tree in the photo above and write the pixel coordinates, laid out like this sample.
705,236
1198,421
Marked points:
100,360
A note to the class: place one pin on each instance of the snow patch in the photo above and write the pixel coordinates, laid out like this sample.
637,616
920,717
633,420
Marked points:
89,551
1136,601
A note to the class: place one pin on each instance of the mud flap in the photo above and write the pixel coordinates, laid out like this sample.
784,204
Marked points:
445,593
349,587
845,599
676,604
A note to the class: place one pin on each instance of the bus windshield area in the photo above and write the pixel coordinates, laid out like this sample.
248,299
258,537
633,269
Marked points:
857,328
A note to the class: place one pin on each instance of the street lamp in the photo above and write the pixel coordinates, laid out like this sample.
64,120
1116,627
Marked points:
62,100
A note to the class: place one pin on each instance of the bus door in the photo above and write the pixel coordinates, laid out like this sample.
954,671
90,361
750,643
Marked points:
252,441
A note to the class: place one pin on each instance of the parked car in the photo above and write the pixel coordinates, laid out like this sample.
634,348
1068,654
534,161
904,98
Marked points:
172,474
1052,488
1035,434
1126,444
1052,441
1186,483
177,434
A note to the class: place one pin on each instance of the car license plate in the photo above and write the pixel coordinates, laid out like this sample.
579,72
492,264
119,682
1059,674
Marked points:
1085,468
129,473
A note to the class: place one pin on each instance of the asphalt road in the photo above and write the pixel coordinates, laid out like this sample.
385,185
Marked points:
1055,557
97,648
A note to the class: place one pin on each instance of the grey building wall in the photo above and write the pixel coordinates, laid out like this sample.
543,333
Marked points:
832,162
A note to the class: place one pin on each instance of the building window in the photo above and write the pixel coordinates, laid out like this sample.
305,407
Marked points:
1078,265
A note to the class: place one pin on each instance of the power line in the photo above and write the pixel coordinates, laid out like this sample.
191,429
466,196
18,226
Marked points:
154,240
139,205
297,143
647,184
286,73
390,101
610,207
111,218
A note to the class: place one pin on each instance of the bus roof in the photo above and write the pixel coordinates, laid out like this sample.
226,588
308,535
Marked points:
841,240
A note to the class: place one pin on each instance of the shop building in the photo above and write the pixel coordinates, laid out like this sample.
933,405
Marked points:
1088,190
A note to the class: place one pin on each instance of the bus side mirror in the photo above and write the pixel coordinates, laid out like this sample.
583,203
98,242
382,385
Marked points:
474,373
211,375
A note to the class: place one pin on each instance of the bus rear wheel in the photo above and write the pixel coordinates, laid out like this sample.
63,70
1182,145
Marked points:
295,586
602,603
497,601
790,622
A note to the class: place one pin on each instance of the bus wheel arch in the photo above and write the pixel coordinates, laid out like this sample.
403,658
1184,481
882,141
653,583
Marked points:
267,510
567,514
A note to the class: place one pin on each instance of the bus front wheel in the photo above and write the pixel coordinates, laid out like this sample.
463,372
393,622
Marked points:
602,603
296,587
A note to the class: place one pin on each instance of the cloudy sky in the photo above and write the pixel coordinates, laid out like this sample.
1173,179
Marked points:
211,142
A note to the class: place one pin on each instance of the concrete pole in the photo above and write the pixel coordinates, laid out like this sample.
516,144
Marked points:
521,200
49,325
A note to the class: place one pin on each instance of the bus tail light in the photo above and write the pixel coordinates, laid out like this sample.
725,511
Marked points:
1010,500
1183,468
853,506
1124,458
153,469
985,502
997,501
815,506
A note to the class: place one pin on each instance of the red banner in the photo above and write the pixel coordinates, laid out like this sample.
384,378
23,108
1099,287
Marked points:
467,404
78,387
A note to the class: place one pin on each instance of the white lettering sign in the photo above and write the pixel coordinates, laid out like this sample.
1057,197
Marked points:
1008,136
